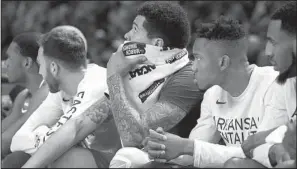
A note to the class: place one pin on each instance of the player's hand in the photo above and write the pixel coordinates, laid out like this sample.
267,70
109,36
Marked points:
254,141
118,64
286,164
164,146
289,141
278,154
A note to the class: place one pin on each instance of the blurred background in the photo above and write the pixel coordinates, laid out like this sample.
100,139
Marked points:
104,23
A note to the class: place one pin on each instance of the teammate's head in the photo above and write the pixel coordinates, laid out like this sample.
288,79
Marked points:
281,44
63,50
219,47
22,54
162,24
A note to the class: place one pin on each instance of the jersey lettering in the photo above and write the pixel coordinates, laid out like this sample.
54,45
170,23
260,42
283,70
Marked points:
142,70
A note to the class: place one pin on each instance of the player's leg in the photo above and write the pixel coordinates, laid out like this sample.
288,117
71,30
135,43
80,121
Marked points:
242,163
129,157
76,157
15,160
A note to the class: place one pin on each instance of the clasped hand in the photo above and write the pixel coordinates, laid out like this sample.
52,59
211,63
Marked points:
162,146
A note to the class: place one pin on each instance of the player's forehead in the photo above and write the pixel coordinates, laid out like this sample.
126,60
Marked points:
138,21
13,49
274,29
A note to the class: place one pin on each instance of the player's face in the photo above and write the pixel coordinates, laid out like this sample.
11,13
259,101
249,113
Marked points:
14,64
45,71
279,47
138,33
205,65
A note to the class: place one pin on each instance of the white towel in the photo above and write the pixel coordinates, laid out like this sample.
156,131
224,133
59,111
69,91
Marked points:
144,82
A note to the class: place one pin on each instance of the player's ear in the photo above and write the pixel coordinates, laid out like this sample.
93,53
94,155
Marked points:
28,62
224,62
54,68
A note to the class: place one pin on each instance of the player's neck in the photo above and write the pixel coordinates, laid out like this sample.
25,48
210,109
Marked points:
237,80
33,82
71,81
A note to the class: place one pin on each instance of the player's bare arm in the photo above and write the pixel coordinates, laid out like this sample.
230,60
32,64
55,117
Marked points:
71,133
133,126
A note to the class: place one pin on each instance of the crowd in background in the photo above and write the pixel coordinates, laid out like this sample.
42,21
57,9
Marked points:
105,22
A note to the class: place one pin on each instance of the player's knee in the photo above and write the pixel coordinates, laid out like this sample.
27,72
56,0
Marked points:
242,163
76,157
129,157
235,163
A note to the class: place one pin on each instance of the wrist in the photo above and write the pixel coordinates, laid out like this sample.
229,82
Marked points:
188,145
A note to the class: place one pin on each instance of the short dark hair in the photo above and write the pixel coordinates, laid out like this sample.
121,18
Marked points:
287,14
28,43
221,29
66,44
167,20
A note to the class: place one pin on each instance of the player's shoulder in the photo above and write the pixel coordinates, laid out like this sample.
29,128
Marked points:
265,72
291,82
184,76
95,70
264,77
214,91
187,69
288,87
94,75
94,80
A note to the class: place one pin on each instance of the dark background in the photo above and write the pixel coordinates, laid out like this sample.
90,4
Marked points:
104,23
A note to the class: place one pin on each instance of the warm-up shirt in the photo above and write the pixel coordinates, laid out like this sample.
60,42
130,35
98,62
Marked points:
284,98
233,119
57,108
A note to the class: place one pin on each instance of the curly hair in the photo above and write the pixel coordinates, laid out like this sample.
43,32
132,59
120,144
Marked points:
222,29
287,14
67,44
28,43
168,21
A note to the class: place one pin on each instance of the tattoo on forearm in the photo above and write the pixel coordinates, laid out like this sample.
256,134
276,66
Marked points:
133,126
99,111
124,115
166,116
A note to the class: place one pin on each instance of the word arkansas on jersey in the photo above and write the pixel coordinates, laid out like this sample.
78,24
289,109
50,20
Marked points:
236,130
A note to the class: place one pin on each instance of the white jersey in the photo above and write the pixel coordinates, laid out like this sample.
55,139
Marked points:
284,98
233,119
57,108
